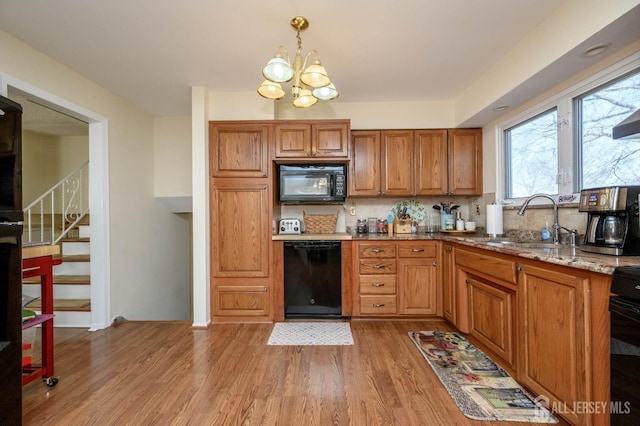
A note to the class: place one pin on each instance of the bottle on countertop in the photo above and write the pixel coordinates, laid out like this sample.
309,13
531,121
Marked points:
546,234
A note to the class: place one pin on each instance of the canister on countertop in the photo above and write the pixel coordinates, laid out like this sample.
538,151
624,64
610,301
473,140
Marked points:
372,224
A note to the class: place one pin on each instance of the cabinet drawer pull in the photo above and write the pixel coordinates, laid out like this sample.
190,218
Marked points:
378,266
377,250
415,250
467,281
377,305
377,284
449,249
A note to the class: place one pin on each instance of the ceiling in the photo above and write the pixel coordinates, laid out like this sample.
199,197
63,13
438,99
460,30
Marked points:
151,52
41,119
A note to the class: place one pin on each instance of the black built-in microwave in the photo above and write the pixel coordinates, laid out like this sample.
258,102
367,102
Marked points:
312,183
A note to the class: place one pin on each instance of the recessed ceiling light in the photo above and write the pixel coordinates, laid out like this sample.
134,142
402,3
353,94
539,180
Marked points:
501,107
595,50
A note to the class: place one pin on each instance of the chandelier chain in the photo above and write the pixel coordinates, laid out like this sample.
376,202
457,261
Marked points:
299,42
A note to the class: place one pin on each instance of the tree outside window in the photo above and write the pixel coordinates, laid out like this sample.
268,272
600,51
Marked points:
605,161
532,156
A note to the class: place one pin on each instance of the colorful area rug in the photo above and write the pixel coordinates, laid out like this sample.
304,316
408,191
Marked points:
311,333
479,387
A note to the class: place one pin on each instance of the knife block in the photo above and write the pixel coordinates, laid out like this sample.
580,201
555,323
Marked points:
402,226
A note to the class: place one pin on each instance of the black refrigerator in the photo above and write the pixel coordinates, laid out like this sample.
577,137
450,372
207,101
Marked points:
11,217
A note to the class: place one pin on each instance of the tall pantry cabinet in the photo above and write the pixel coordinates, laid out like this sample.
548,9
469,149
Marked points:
241,211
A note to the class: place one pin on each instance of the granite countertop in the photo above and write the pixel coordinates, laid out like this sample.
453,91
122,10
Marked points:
561,254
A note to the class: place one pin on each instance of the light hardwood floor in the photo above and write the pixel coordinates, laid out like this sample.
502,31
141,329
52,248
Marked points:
165,373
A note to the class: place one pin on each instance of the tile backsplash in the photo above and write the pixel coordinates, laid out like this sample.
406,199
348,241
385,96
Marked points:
471,208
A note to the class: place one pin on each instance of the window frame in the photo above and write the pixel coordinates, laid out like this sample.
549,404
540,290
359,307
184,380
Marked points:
569,160
507,149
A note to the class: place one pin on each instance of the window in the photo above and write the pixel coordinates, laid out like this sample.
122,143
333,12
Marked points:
605,161
532,150
563,144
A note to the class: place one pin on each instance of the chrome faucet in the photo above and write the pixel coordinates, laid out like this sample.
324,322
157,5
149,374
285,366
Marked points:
556,226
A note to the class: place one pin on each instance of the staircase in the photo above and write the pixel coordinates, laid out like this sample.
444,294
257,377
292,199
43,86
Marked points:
60,216
71,281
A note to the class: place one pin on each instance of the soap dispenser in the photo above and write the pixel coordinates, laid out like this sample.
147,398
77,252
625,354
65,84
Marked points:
546,234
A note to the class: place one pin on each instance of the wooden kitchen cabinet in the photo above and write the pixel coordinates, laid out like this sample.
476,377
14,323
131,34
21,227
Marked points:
449,293
397,166
397,278
449,162
415,162
241,301
240,228
487,291
239,149
381,163
418,277
555,344
492,317
376,282
465,161
417,280
364,168
315,139
432,168
559,320
240,249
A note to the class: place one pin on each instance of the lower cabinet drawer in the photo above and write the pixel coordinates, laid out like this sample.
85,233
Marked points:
374,305
377,266
377,284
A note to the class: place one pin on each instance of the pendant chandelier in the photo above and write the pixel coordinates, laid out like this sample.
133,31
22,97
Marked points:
309,83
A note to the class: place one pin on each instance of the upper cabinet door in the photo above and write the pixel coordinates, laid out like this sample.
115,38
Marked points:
364,168
431,162
312,139
465,161
293,140
397,162
238,149
330,139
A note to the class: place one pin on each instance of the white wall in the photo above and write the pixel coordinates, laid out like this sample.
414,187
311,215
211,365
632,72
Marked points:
574,22
376,115
47,159
149,267
39,165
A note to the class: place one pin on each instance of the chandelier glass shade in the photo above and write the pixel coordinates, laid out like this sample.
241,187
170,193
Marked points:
308,83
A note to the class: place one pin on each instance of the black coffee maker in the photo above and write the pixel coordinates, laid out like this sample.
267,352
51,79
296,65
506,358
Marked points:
612,222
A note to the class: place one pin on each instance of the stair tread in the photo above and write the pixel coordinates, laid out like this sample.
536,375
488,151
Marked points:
81,305
62,279
77,258
75,240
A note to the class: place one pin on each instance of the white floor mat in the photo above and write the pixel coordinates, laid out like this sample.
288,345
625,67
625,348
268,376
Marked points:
311,333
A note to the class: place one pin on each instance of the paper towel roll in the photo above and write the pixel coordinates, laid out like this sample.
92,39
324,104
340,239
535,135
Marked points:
494,219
